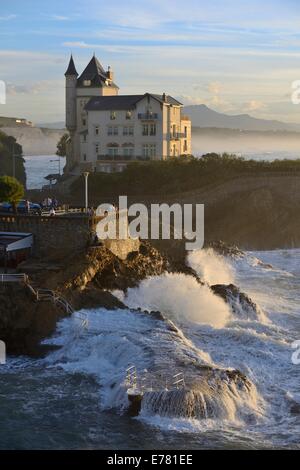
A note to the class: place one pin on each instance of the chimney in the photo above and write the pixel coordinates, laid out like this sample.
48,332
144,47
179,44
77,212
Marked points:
164,96
109,73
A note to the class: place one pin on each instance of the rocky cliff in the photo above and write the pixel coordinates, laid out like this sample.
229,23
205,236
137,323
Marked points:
23,322
35,140
84,281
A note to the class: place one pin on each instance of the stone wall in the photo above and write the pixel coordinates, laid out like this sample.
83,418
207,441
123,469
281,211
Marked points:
55,235
63,235
121,248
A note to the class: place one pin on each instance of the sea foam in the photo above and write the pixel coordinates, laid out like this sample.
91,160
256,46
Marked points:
180,297
211,267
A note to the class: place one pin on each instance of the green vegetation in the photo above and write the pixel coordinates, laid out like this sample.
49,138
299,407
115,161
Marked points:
11,190
62,145
8,147
181,174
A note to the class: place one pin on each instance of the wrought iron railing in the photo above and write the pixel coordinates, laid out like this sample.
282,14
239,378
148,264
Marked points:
178,135
147,116
121,158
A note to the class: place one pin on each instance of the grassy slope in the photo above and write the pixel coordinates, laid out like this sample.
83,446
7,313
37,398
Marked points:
255,205
179,175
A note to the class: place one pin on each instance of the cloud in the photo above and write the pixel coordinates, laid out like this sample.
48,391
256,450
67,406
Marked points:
16,54
33,88
60,18
239,58
214,88
78,44
7,17
107,47
248,16
254,105
189,100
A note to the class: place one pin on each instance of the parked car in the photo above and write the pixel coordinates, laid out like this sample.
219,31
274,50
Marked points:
21,207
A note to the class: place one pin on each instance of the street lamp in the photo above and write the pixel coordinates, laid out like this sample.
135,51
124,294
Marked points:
86,175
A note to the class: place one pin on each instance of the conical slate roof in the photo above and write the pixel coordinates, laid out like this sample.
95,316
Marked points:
71,70
93,71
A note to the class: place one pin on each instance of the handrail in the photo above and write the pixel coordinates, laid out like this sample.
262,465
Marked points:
13,277
147,381
40,294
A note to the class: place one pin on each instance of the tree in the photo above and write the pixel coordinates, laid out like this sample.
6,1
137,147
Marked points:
62,145
11,190
9,147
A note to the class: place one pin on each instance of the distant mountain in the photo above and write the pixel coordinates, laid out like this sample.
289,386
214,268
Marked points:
52,125
202,116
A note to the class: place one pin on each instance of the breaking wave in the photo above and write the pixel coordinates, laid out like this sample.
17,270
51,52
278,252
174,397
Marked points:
114,340
236,366
211,267
179,297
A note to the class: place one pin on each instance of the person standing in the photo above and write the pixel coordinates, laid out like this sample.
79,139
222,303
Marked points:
27,206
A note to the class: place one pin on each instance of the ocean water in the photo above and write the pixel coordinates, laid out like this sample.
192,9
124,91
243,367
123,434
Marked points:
38,167
270,156
75,398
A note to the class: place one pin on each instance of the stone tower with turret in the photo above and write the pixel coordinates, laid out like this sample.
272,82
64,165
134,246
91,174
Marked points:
71,115
94,81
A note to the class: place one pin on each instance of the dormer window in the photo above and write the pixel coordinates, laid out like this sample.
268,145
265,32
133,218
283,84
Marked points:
87,82
128,114
113,115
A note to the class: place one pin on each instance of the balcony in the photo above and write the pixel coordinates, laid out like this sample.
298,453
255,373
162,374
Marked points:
147,116
121,158
178,135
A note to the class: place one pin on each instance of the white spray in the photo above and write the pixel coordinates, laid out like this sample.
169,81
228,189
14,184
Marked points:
211,267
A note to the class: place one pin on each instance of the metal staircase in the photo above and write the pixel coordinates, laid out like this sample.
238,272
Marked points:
41,295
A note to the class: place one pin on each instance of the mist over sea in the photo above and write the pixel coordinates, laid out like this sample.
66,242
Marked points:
256,145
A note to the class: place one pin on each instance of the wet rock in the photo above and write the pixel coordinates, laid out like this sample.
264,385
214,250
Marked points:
84,280
240,303
181,267
294,405
295,408
216,394
157,315
92,298
24,322
264,265
226,250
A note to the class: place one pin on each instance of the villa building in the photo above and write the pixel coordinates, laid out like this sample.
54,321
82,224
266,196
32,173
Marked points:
108,130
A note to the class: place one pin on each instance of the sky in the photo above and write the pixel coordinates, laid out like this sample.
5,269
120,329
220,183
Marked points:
234,56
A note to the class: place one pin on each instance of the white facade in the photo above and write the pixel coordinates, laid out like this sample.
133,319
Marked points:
109,130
